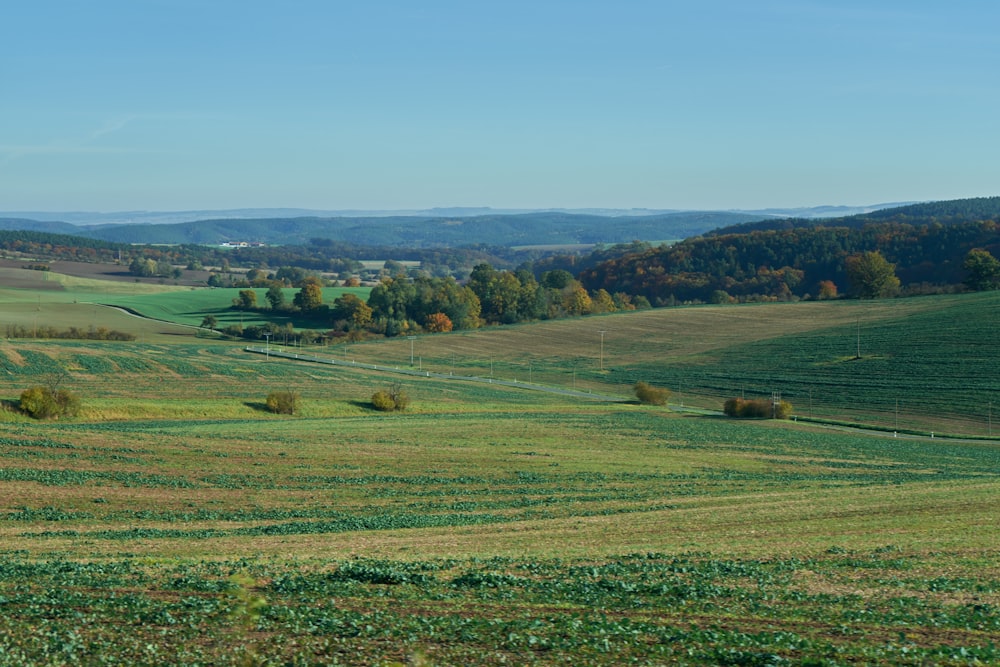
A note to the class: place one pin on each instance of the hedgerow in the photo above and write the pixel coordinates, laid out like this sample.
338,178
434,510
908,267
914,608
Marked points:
758,408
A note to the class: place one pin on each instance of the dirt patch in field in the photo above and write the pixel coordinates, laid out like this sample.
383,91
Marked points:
21,278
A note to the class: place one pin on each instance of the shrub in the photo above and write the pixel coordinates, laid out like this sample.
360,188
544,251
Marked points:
391,399
47,403
759,408
382,401
283,402
647,393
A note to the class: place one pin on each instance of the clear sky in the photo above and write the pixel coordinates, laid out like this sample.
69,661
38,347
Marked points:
110,105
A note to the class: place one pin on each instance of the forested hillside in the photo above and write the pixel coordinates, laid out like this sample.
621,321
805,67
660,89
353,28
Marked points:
792,260
956,211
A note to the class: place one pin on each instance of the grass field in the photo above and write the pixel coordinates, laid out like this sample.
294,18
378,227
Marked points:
175,521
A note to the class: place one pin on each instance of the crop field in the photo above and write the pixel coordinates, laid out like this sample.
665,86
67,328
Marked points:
175,521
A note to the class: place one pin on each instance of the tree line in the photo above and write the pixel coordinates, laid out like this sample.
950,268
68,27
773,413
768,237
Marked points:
404,304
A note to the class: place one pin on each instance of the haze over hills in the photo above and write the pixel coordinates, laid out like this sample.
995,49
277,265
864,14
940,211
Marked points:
95,218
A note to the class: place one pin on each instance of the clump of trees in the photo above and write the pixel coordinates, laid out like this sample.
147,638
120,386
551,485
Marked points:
283,402
650,395
757,408
147,267
391,399
49,402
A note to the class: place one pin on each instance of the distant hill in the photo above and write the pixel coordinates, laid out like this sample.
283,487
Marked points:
95,219
526,229
940,212
52,227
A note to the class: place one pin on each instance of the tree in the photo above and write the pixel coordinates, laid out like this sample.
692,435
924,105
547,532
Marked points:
209,322
602,302
557,279
291,275
391,301
438,323
498,292
352,310
871,275
276,297
983,270
827,290
577,302
247,300
720,296
310,296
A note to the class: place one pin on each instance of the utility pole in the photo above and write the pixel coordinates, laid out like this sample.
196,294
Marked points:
602,348
411,339
267,348
858,355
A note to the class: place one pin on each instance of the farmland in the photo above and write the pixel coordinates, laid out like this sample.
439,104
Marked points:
176,521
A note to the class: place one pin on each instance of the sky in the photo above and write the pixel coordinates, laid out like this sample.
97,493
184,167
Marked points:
166,105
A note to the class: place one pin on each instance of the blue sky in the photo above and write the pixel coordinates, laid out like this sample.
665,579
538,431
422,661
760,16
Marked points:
109,105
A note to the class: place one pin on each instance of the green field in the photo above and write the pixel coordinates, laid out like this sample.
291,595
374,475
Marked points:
928,364
175,521
192,306
64,301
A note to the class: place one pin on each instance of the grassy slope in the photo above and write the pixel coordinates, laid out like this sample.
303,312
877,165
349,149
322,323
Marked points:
933,358
34,298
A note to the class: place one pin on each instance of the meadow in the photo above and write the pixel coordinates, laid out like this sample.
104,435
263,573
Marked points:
176,521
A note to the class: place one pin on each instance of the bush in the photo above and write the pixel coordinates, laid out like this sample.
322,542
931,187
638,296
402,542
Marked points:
46,403
382,401
759,408
647,393
283,402
391,399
